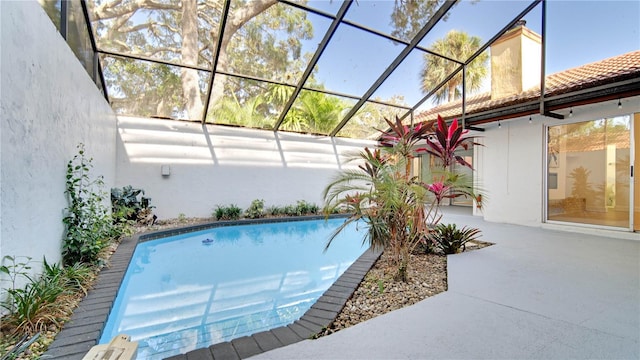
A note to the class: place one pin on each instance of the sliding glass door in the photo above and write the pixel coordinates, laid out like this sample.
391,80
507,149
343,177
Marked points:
588,172
636,186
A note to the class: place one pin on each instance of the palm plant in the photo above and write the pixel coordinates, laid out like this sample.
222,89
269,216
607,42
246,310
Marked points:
396,206
460,46
314,112
234,111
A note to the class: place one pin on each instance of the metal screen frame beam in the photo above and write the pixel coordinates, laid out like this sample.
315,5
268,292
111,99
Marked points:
543,67
430,94
148,59
543,56
322,91
97,72
64,19
216,56
398,40
440,13
484,47
312,63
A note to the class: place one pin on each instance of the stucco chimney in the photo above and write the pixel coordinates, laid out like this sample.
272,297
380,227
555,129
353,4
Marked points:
515,62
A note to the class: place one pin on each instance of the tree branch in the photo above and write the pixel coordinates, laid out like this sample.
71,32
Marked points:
246,13
110,10
119,22
161,49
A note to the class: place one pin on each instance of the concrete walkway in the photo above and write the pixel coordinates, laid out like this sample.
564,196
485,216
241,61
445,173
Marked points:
535,294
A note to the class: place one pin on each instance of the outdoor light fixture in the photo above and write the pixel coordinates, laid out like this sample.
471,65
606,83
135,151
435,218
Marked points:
529,119
619,104
499,125
571,112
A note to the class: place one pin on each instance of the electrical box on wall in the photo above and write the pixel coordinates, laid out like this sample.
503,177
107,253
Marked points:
165,170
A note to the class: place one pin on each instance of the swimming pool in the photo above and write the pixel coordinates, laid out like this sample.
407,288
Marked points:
197,289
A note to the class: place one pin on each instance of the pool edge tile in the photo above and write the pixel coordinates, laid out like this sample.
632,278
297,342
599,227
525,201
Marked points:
110,277
93,313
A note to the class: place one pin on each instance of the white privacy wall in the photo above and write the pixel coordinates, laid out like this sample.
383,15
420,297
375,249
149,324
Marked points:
218,165
48,106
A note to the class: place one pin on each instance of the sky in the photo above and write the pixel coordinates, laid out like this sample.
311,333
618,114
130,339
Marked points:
578,32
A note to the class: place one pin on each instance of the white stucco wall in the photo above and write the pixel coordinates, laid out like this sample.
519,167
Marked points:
510,167
218,165
48,106
510,172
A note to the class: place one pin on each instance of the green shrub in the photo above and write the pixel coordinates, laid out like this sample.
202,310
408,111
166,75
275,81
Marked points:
129,205
255,210
230,212
13,267
182,218
451,240
234,212
218,213
274,211
72,277
89,225
426,246
33,306
305,208
37,304
314,209
290,210
302,207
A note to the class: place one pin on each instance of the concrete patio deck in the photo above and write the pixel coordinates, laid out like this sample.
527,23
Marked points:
536,294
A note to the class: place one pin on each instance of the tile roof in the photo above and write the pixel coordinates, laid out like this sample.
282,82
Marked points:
611,70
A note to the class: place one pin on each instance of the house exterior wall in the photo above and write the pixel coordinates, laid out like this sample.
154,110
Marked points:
510,172
636,194
219,165
511,164
49,105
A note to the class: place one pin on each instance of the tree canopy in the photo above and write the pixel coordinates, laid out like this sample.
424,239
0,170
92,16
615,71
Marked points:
170,49
261,39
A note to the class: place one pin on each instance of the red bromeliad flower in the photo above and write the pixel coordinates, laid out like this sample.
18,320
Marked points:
400,134
353,199
447,140
442,191
438,189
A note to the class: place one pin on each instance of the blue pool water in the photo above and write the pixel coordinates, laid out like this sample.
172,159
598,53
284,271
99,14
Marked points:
194,290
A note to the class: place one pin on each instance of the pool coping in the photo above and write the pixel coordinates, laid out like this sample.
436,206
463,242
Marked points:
86,324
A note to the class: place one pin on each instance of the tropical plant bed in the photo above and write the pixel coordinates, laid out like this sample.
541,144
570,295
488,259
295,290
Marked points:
49,321
379,294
